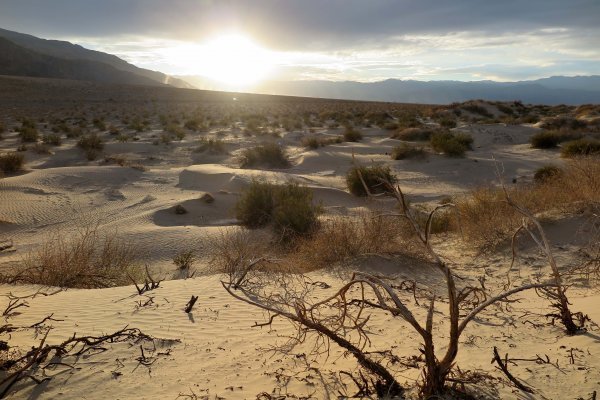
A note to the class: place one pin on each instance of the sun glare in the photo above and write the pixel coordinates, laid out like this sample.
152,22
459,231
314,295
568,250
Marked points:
231,59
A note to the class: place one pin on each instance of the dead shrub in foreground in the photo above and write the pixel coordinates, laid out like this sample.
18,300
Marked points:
88,259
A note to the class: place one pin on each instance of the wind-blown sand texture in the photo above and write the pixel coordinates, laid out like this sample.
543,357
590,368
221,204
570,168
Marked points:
214,352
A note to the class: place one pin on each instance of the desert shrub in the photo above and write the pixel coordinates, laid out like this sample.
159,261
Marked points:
176,130
91,142
312,142
40,148
339,239
92,145
11,162
486,220
52,139
28,134
375,178
447,123
550,139
563,123
414,134
269,155
193,124
478,109
87,260
450,144
352,135
232,245
289,208
465,139
580,147
546,173
404,151
99,124
185,259
211,146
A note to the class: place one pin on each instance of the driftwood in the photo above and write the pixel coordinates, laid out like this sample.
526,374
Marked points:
149,283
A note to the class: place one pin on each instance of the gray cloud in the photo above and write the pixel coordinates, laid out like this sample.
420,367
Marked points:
294,24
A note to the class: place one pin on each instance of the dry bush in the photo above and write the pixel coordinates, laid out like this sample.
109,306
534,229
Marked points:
11,162
87,259
404,151
343,238
233,247
269,155
486,218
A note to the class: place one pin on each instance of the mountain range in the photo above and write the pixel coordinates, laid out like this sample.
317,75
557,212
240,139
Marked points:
26,55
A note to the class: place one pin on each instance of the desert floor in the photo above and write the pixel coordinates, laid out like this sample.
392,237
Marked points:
214,352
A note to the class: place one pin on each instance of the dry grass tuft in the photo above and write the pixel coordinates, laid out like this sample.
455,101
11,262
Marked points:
486,220
88,259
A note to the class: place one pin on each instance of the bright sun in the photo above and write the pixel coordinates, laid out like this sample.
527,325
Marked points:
232,59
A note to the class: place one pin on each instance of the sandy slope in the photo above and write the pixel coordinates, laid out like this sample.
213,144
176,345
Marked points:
217,352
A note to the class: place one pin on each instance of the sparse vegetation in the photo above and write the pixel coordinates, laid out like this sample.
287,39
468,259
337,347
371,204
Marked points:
268,155
374,178
87,259
288,208
52,139
404,151
352,135
211,146
581,147
551,139
11,162
452,145
546,173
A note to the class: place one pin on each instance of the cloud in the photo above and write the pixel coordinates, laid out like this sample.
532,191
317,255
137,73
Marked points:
339,39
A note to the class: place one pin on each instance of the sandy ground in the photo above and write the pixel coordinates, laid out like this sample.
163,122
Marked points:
214,352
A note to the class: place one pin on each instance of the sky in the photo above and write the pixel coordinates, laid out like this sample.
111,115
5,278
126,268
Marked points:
362,40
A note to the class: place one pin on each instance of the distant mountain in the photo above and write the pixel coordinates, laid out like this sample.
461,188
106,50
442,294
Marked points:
554,90
66,51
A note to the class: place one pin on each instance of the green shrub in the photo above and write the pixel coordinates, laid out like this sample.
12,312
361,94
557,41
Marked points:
581,147
404,151
546,173
289,208
11,162
450,144
375,178
28,134
269,155
211,146
52,139
352,135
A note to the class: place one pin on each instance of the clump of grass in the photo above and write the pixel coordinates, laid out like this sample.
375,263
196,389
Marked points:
352,135
340,239
28,134
314,142
86,260
551,139
288,208
404,151
581,147
92,145
452,145
486,220
52,139
211,146
269,155
375,177
414,134
11,162
546,173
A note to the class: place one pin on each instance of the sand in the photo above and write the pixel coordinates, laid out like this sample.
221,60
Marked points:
214,352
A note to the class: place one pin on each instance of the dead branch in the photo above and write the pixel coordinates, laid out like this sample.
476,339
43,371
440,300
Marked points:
190,304
502,366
